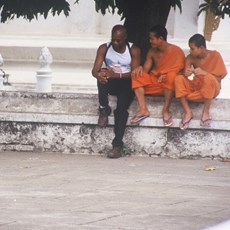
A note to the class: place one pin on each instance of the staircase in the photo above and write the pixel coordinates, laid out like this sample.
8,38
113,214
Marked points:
73,59
72,62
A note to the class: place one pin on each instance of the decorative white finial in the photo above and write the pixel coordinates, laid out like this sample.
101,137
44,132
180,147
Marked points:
45,59
44,74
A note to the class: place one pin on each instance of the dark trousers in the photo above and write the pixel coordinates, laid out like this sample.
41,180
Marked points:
121,88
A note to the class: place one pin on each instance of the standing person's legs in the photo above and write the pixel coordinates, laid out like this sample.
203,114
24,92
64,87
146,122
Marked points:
104,109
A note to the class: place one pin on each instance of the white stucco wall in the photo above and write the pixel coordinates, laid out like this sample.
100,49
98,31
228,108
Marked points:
84,21
184,25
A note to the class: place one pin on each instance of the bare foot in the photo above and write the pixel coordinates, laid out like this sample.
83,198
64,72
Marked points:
142,113
139,116
205,120
166,116
184,124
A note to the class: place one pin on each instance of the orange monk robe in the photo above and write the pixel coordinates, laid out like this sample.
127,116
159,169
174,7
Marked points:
170,65
203,87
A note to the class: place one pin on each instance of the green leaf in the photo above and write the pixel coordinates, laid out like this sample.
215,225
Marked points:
31,9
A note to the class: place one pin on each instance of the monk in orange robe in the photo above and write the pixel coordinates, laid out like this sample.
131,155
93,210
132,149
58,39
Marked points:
208,69
163,63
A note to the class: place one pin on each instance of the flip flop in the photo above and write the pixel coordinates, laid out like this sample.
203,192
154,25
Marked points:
168,122
138,118
185,124
205,122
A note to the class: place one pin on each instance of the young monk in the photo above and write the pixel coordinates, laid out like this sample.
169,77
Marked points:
208,69
163,63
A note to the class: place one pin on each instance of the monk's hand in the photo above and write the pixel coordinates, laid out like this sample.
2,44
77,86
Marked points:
161,78
137,72
102,75
199,71
188,72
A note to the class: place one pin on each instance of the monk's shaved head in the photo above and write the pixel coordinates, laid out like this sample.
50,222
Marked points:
198,40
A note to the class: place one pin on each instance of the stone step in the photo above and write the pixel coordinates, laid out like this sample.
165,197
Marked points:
73,61
63,49
56,88
67,122
68,78
73,49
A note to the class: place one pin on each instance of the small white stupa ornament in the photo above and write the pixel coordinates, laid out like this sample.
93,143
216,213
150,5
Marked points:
45,60
44,73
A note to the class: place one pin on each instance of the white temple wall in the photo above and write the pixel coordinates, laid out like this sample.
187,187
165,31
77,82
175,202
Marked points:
183,25
83,21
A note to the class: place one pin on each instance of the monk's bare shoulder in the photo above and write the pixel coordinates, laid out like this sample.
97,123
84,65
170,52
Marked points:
153,51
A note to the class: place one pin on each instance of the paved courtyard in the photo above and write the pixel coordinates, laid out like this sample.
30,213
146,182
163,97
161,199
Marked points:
62,192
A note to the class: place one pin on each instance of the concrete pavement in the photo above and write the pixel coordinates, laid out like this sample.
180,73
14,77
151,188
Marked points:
63,192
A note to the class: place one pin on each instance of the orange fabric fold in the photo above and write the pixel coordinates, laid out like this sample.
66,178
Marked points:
215,65
168,66
203,87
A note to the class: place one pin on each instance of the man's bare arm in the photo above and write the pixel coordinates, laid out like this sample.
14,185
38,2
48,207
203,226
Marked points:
96,71
149,61
135,56
146,67
188,69
99,60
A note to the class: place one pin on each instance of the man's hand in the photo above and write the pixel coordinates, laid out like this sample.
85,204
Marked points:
102,75
110,73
